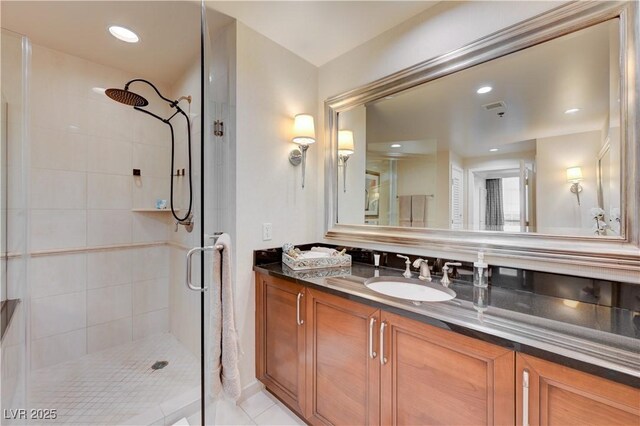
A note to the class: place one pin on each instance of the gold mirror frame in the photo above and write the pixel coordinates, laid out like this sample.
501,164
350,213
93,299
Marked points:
610,257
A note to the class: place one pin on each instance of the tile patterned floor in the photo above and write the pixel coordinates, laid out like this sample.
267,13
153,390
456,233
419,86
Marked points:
111,386
261,409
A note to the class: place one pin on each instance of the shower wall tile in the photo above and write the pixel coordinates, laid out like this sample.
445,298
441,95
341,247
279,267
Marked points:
109,268
57,229
55,149
60,274
80,194
151,227
56,189
59,348
150,323
108,227
58,314
154,161
108,192
108,304
150,295
103,115
108,156
150,262
107,335
147,189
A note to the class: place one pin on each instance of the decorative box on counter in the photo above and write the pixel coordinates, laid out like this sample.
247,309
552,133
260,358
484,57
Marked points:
316,258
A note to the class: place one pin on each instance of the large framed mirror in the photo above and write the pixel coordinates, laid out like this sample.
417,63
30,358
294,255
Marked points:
524,142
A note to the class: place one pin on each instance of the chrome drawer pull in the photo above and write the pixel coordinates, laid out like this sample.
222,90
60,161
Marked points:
383,359
525,398
372,323
299,320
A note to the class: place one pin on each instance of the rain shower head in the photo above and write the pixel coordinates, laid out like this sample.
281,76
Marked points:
126,97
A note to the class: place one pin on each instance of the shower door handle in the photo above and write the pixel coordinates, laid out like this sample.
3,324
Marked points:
188,277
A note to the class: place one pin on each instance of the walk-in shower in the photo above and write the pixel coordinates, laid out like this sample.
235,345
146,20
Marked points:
126,97
91,258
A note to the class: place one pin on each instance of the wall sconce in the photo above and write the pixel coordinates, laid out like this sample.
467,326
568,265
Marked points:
345,150
304,134
574,177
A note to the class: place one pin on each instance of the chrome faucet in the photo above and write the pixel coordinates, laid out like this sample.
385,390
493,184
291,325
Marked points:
445,272
407,272
425,273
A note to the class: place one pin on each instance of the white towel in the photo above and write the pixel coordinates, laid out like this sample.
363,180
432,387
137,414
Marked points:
225,376
418,211
405,209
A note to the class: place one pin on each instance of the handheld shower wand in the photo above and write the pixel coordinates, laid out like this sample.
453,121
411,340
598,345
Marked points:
126,97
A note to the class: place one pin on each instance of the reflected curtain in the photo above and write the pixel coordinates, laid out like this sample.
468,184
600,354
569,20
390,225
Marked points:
494,217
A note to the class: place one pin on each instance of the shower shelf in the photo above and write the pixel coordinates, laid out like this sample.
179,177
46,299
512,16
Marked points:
153,210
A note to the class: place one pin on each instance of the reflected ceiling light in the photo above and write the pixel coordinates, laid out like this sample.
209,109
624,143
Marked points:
493,150
484,89
389,97
396,145
99,90
570,303
572,110
124,34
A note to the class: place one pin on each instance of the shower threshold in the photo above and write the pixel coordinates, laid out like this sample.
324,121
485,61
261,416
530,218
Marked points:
119,386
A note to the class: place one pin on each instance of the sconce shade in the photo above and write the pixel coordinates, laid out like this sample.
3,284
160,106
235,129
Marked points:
304,132
574,174
345,142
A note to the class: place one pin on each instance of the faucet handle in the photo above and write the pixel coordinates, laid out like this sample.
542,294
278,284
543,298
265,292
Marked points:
445,272
407,272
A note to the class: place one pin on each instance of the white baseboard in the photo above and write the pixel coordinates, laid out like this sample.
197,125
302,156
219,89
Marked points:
249,390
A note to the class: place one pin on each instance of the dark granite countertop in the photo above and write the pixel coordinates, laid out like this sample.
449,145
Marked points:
598,339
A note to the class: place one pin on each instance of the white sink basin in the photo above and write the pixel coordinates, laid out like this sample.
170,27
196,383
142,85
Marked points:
410,289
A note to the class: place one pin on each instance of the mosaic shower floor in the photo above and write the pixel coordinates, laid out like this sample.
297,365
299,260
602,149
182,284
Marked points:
114,385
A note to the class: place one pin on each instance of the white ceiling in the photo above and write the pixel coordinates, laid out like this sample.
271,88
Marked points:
320,31
169,32
537,85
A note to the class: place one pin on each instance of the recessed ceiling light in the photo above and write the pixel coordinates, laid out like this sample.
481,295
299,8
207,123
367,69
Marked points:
124,34
484,89
493,150
572,110
99,90
396,145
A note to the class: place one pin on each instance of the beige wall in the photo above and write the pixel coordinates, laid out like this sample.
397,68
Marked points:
273,85
557,208
417,176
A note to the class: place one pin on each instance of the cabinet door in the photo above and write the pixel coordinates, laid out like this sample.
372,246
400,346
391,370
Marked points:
437,377
558,395
342,369
280,339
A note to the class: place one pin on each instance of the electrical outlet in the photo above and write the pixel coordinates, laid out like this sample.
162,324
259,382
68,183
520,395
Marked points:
267,231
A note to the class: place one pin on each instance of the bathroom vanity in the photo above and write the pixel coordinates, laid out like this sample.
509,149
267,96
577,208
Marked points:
338,353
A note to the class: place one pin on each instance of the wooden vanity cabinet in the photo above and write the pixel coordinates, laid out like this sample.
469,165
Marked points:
321,355
559,395
343,371
280,339
438,377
